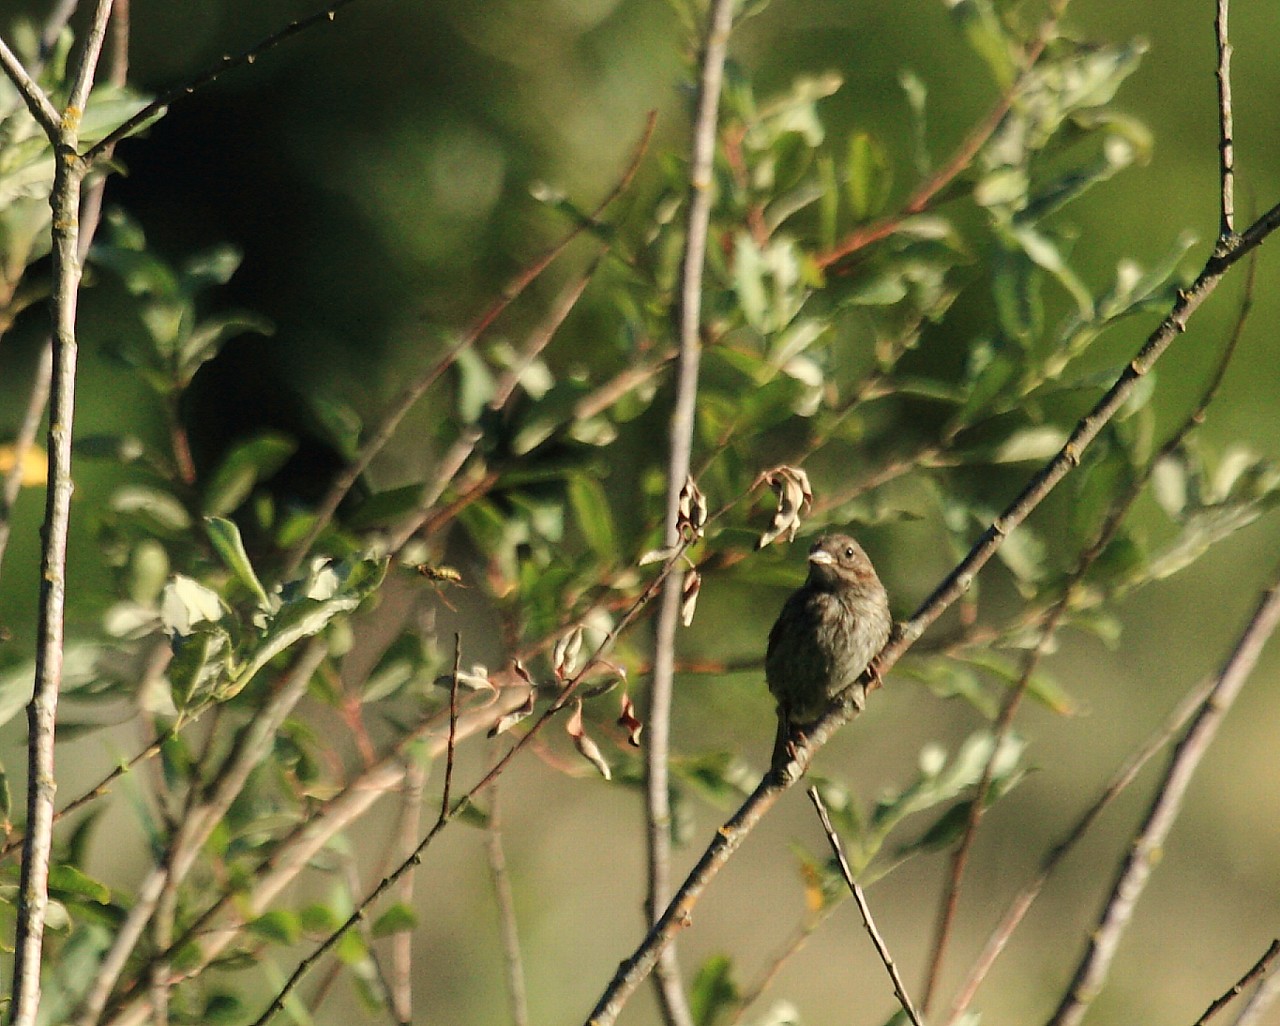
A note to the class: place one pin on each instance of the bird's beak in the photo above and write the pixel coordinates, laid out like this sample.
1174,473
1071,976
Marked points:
822,557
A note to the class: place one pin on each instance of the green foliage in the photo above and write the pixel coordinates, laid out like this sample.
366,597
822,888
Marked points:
176,341
713,993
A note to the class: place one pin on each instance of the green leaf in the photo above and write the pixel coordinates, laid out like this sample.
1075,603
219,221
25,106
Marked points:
68,882
869,176
948,678
714,992
309,606
1017,291
351,948
185,603
981,24
594,517
396,919
242,468
338,423
917,93
206,339
16,683
386,507
277,925
202,661
161,509
229,546
222,1008
319,920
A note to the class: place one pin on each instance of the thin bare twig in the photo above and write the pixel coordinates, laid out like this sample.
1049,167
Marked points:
1130,881
1259,969
1226,133
228,61
899,988
1260,1001
452,747
671,995
502,894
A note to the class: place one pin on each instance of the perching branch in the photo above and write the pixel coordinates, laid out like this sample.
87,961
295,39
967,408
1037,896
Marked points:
1261,1000
640,963
1048,627
899,988
671,996
1143,853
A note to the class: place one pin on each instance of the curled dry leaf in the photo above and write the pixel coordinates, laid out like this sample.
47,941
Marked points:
509,720
475,679
629,721
693,510
564,657
795,497
585,746
689,596
658,555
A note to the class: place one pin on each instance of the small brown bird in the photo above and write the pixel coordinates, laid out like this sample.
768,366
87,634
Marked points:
828,632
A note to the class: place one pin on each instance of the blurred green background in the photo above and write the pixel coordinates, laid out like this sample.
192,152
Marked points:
377,173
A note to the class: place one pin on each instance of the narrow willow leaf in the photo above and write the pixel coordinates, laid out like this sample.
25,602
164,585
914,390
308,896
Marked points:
229,546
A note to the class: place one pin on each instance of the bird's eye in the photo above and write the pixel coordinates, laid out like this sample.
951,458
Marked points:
848,552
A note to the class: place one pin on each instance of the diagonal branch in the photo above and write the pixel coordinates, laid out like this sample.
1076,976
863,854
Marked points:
1050,622
1021,904
40,106
632,970
1130,881
1260,969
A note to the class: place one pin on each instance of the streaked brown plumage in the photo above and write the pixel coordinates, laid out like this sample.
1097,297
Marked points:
829,630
